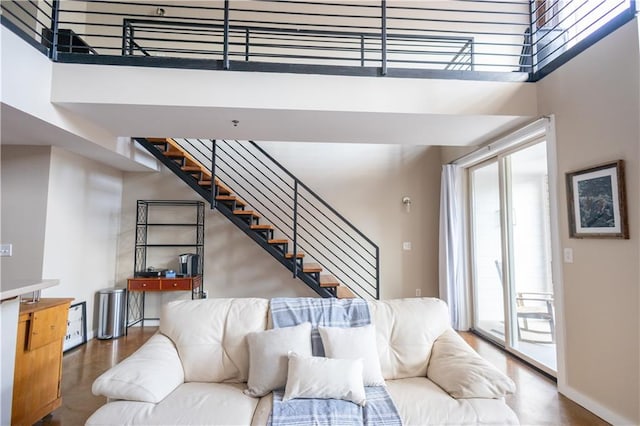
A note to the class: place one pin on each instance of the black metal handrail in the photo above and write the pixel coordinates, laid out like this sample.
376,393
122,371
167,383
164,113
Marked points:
294,210
342,38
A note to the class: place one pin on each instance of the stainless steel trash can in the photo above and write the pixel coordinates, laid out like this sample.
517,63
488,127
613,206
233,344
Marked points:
111,319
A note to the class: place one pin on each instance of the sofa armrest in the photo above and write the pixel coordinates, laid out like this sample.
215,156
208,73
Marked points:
461,372
148,375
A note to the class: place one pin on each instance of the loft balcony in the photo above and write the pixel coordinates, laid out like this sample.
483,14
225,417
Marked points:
518,40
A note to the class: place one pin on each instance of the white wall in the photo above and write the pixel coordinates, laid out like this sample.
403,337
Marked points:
596,101
24,176
365,183
82,224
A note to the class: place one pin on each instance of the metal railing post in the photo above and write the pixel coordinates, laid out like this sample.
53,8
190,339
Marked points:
362,50
532,53
55,11
295,228
384,36
213,174
377,273
225,54
246,44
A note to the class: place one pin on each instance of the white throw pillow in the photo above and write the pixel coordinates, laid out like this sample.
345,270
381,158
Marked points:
268,356
354,343
325,378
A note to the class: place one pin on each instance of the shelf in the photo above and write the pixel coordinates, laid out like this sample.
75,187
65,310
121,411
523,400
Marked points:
184,230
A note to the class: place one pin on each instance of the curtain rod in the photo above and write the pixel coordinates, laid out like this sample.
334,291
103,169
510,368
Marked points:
529,131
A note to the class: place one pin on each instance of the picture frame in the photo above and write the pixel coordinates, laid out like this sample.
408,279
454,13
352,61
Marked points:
76,327
596,200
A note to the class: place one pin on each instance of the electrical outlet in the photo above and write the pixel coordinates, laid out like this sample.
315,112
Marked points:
6,250
568,255
418,292
406,245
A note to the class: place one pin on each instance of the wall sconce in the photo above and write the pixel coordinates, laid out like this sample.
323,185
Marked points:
407,203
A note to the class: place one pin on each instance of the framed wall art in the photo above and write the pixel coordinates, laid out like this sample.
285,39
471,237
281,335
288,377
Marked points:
76,326
597,202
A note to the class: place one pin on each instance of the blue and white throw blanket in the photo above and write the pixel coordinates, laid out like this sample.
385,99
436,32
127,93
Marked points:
330,312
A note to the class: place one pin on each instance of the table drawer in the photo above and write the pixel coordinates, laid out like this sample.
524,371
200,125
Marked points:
169,284
142,284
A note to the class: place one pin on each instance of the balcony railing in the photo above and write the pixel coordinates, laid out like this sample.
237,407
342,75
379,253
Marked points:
516,39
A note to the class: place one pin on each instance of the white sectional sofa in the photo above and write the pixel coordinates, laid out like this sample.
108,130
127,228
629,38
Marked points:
195,369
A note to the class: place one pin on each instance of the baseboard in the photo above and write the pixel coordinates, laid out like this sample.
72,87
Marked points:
594,406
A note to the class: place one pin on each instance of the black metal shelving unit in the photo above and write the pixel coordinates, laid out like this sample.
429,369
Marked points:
136,299
143,225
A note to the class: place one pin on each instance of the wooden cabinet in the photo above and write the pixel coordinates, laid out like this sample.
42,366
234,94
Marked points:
38,367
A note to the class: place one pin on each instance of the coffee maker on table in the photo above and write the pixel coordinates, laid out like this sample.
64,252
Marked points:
188,264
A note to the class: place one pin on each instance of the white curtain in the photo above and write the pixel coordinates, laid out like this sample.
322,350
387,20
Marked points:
452,263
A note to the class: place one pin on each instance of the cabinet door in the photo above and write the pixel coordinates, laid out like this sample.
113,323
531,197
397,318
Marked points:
38,367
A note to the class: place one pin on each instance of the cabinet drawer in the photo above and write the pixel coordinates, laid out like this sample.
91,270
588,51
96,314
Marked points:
176,284
47,326
141,284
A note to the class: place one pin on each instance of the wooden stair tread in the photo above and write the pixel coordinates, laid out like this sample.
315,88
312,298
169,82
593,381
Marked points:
174,154
230,198
157,140
191,169
261,227
246,213
328,281
299,255
278,241
311,267
344,293
204,182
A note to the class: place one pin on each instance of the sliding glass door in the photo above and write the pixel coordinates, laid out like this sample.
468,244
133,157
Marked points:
487,251
511,254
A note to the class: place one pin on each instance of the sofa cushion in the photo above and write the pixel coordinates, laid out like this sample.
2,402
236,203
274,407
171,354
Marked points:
420,402
324,378
406,330
354,343
211,336
136,378
268,356
190,404
460,371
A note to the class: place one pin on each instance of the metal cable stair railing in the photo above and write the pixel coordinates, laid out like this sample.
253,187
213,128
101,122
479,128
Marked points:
301,230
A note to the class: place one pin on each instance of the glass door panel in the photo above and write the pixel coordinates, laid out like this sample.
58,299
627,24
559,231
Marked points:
487,251
531,303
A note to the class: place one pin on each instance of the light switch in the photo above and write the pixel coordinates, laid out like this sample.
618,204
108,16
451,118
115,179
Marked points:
568,255
6,250
406,245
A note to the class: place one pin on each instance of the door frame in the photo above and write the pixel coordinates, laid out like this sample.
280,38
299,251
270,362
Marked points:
510,323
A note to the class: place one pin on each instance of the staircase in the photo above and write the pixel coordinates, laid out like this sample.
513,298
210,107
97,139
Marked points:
277,211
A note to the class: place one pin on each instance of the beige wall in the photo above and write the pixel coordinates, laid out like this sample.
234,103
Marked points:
365,183
62,214
83,219
595,100
25,175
